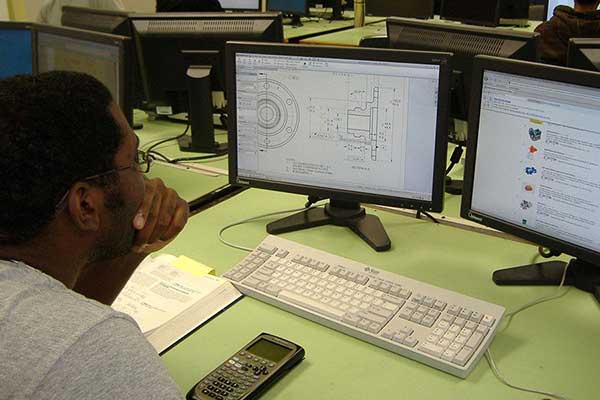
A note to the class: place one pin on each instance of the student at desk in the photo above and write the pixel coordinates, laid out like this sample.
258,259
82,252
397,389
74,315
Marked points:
581,21
77,216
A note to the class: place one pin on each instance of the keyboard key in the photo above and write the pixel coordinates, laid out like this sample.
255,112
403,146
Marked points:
463,356
410,341
311,304
432,349
488,320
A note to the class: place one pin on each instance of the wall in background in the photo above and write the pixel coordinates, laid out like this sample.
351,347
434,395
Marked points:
27,10
3,10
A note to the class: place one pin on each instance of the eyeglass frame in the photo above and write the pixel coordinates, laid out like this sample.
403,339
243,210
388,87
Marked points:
142,158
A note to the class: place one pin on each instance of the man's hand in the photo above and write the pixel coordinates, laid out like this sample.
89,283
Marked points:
160,218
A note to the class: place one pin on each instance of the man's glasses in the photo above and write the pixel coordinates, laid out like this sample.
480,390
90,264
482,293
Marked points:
141,164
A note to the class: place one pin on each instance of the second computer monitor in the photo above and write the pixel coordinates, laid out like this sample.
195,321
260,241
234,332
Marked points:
105,57
403,8
533,166
17,49
584,53
349,125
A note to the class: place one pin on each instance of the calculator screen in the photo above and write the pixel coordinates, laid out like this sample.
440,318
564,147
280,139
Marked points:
269,350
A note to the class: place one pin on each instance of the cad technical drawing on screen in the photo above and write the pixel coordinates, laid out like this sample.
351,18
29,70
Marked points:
538,157
351,125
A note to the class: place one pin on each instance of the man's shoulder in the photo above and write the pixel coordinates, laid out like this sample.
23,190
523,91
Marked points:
40,320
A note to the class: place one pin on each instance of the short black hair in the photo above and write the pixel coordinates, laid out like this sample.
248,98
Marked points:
55,128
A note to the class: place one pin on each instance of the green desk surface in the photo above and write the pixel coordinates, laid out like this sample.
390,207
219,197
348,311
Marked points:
319,26
551,346
351,37
192,182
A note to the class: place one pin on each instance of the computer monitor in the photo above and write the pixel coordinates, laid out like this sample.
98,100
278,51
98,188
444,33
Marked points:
92,19
182,61
552,4
106,57
514,12
478,12
584,53
464,42
404,8
241,5
292,8
352,125
17,49
533,166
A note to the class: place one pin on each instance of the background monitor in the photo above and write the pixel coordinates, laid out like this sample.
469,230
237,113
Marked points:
514,12
182,61
478,12
403,8
296,7
107,21
584,53
241,5
533,166
464,42
17,49
552,4
105,57
350,125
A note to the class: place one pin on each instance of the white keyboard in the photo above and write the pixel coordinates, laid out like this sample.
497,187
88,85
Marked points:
435,326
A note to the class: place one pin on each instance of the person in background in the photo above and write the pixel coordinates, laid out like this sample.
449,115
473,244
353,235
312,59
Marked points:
581,21
77,216
188,5
51,11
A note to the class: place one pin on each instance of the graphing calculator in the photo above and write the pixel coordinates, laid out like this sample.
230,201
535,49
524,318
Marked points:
250,371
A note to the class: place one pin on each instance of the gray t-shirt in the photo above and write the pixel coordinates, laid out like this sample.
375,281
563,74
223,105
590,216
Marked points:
57,344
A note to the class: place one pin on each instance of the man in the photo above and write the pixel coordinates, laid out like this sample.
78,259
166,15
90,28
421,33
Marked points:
581,21
51,11
188,5
76,218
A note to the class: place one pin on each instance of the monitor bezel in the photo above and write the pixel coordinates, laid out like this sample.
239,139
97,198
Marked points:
12,25
526,69
304,13
255,9
494,22
407,56
124,45
94,11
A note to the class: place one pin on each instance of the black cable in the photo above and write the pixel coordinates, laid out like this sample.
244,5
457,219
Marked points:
431,217
455,158
197,158
187,128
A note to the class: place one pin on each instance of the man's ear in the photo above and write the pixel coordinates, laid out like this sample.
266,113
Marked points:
84,203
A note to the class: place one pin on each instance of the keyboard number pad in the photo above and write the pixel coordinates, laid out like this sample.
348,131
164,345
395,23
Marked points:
457,335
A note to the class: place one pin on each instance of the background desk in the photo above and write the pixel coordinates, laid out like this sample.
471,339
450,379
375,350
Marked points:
319,26
193,182
551,346
351,37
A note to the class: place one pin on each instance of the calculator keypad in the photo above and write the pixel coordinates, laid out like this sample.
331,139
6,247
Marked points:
234,378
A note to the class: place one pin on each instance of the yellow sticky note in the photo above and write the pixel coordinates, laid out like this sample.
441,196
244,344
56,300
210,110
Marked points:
192,266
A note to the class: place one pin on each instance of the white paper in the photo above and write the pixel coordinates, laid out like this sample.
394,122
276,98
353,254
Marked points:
157,292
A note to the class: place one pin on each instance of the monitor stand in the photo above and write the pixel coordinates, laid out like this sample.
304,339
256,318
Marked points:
341,213
200,106
582,275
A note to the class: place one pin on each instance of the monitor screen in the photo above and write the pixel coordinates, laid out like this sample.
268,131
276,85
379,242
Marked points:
404,8
253,5
16,49
359,125
534,170
299,7
552,4
100,55
479,12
